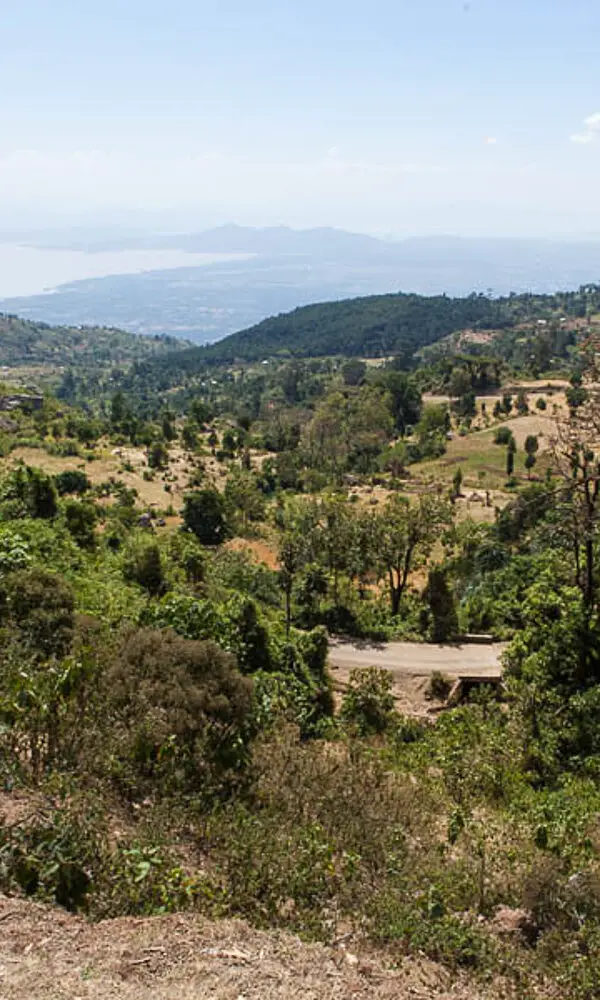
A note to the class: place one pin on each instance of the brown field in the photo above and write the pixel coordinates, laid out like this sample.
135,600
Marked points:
553,391
110,464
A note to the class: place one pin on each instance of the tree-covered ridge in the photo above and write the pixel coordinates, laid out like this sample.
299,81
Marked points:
375,326
24,342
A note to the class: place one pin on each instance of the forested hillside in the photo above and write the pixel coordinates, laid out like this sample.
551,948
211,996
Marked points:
382,325
375,326
23,342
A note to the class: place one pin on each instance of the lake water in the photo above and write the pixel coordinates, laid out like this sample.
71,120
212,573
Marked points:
30,271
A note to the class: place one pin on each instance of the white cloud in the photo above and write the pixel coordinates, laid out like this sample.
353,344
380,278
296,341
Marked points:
591,130
490,140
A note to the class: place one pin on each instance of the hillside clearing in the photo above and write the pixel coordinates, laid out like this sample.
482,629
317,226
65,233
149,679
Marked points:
482,462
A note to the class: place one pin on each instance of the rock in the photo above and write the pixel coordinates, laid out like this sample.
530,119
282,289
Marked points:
518,922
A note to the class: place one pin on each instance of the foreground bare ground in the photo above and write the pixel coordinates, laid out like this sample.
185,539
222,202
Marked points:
47,953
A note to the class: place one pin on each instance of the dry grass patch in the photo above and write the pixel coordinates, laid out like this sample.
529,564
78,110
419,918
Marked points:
110,463
47,954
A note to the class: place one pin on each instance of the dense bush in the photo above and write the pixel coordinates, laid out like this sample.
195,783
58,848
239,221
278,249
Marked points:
28,492
143,564
72,481
503,435
368,703
204,514
178,711
38,607
81,519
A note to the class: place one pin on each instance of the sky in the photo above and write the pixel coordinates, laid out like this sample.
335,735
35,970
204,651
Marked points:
393,117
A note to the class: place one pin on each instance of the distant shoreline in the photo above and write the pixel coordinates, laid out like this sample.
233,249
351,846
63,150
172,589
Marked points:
30,270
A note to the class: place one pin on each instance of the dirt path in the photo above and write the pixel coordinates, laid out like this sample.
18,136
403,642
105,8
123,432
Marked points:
47,954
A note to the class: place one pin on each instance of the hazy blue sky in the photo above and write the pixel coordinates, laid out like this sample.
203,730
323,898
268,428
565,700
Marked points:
379,115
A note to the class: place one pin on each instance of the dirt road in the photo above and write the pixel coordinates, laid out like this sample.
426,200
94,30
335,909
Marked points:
415,659
411,665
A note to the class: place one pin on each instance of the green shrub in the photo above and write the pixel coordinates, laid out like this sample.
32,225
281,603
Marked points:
503,435
28,492
176,713
204,514
438,687
440,617
52,855
72,481
368,703
81,518
38,606
143,564
442,937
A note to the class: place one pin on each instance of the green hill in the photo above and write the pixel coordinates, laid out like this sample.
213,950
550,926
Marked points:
374,326
27,343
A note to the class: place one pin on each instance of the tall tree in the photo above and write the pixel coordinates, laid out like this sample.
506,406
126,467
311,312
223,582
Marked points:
510,457
405,534
405,399
296,521
531,447
204,514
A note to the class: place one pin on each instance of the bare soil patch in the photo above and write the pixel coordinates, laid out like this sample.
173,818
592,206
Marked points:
47,954
257,549
111,463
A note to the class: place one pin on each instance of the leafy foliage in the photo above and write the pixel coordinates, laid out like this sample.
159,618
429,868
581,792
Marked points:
204,514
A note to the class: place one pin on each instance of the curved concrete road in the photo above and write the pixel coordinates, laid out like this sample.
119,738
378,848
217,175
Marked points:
416,659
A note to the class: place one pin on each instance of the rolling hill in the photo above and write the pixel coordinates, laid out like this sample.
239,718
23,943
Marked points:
375,326
27,343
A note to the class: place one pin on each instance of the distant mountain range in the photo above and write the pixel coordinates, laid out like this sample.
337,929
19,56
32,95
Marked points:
291,268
